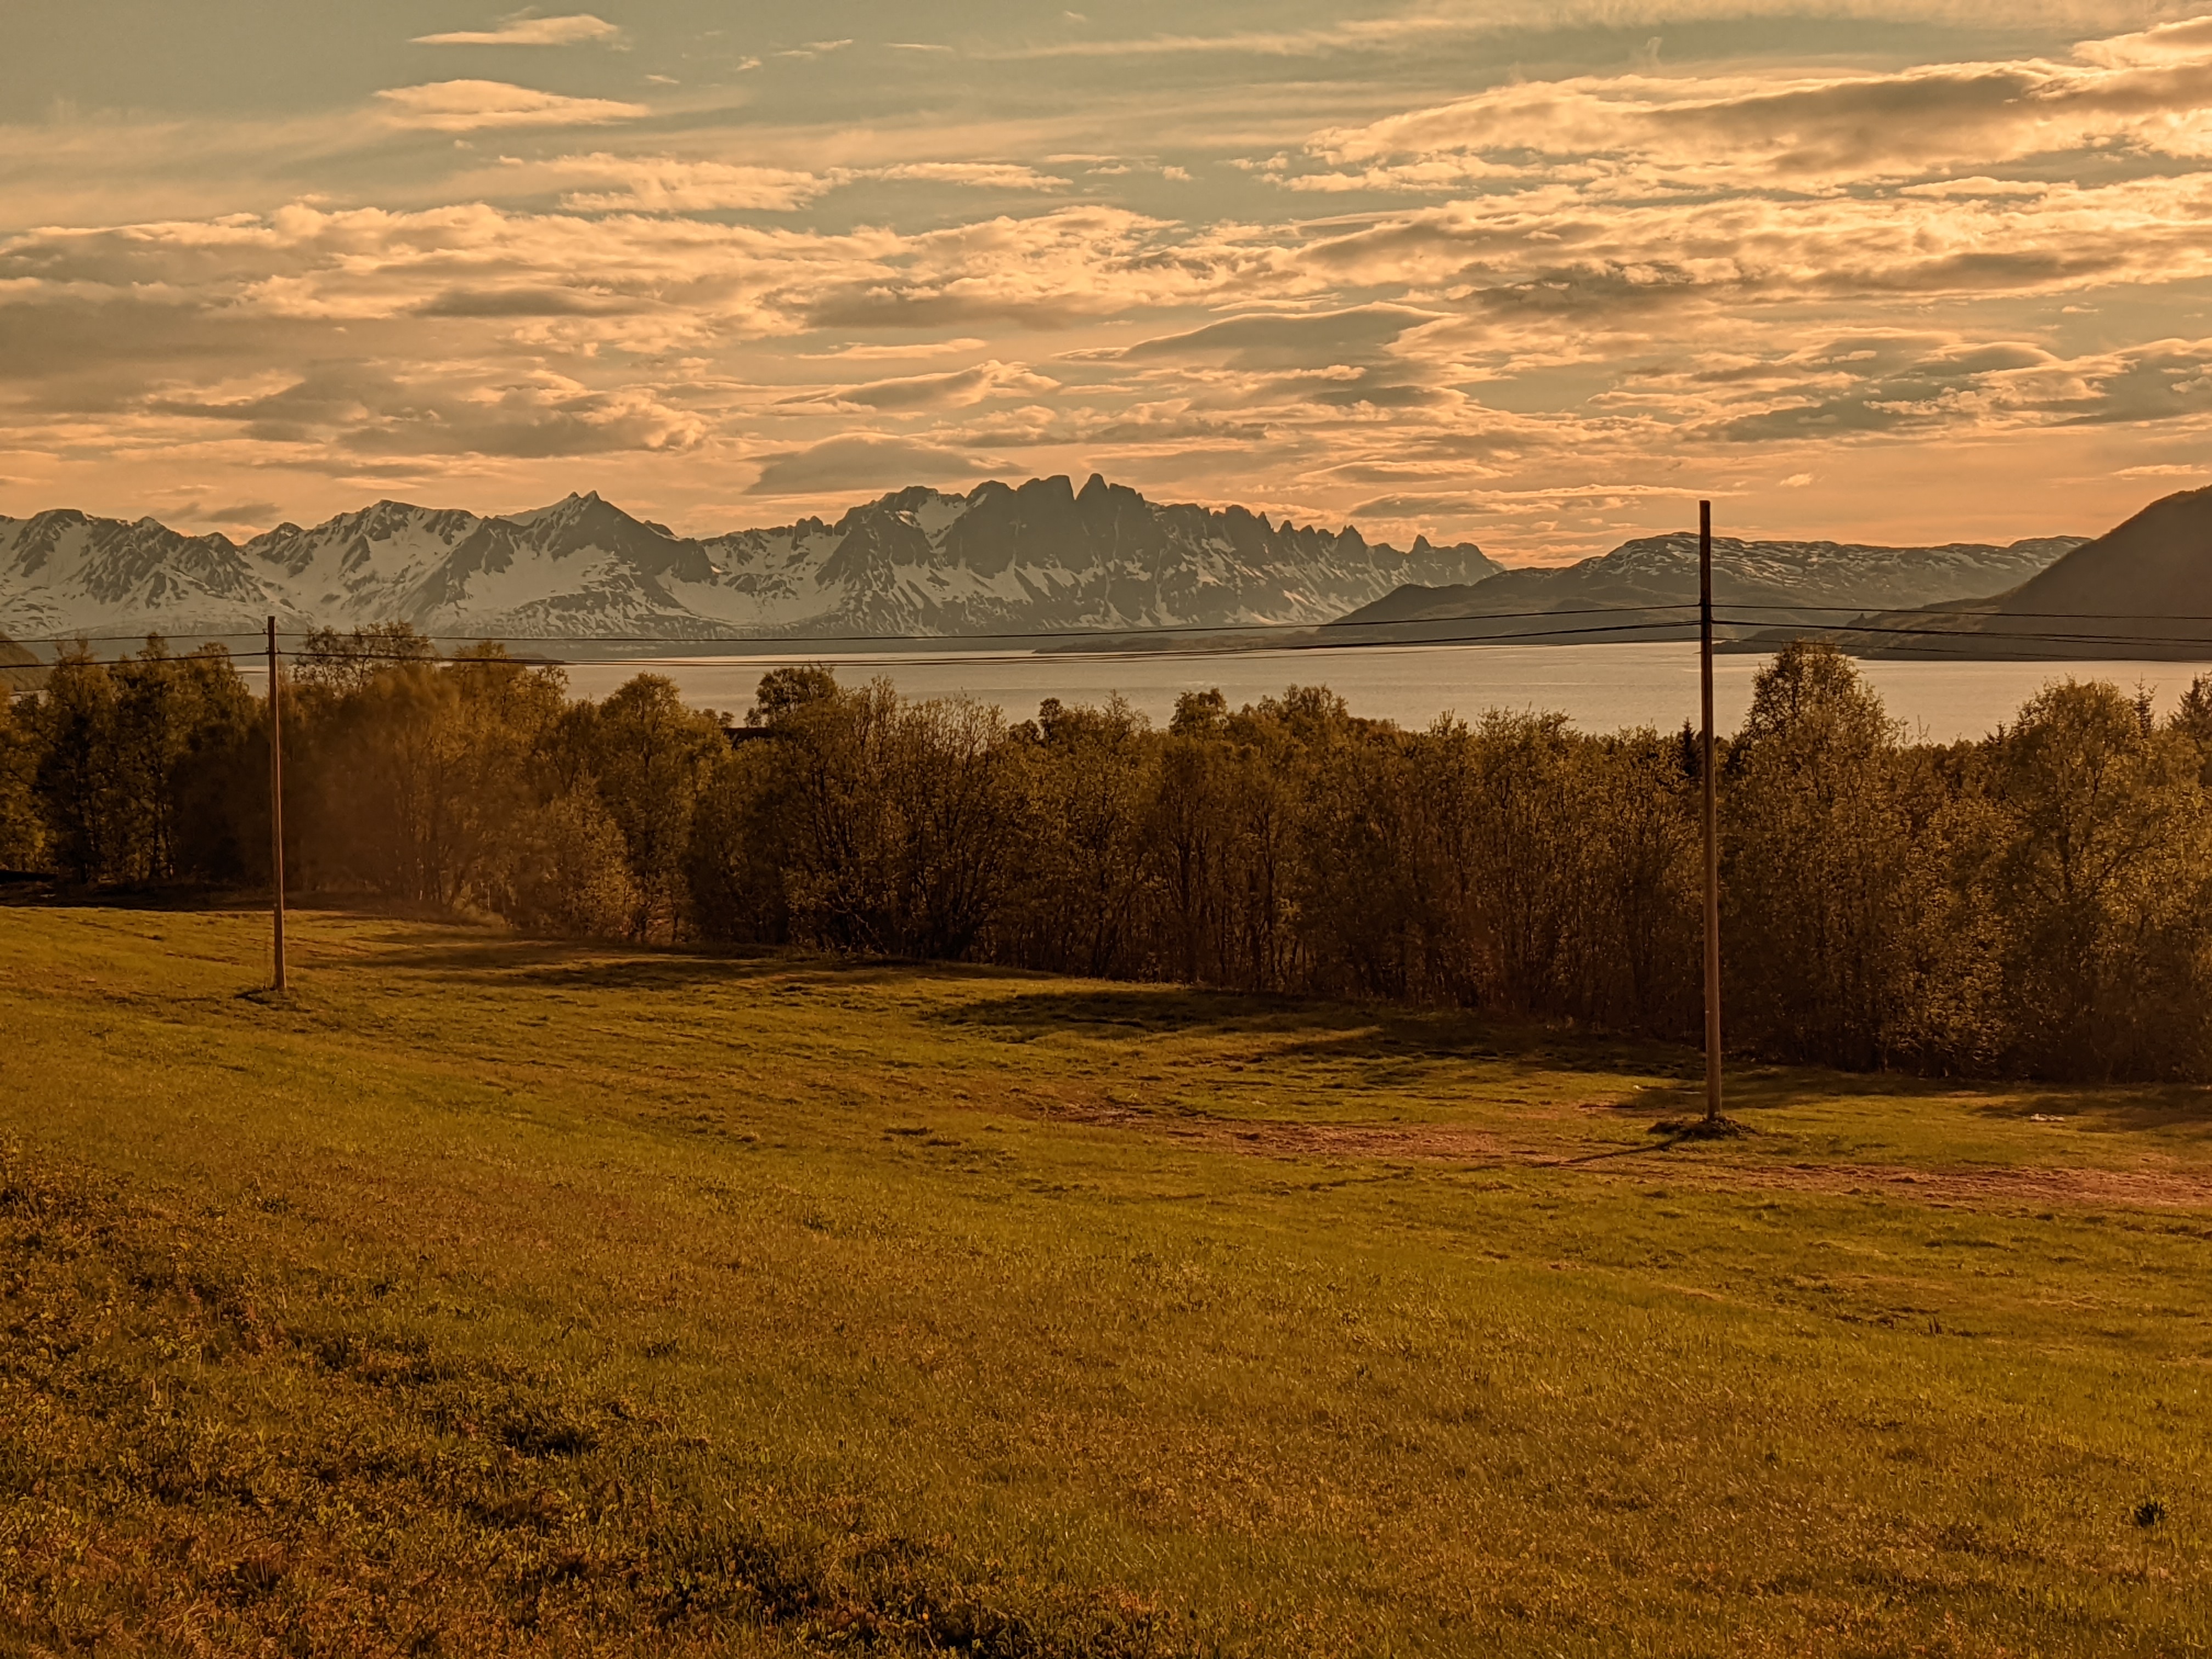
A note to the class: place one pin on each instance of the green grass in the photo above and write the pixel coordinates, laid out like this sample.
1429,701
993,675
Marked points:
486,1296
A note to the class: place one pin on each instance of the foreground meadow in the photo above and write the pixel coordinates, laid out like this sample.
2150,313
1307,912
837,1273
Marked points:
486,1295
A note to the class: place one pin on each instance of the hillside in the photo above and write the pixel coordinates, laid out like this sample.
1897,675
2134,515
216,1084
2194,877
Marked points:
19,669
1803,581
545,1300
2143,590
1038,558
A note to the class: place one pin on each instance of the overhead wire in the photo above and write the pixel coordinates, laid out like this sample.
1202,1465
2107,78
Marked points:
1131,631
1295,638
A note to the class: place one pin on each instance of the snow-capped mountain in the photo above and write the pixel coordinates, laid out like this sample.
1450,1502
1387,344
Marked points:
1039,558
1781,581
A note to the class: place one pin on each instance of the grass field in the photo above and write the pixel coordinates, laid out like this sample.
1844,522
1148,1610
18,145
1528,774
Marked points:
490,1297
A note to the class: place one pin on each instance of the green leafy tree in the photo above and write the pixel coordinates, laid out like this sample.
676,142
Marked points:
1816,862
2100,882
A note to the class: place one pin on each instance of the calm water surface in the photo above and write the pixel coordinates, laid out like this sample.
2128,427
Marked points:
1601,688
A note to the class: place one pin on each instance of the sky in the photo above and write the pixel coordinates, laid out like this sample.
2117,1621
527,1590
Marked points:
1534,273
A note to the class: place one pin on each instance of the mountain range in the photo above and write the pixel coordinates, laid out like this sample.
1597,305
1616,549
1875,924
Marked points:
1038,558
1045,558
2142,590
1799,584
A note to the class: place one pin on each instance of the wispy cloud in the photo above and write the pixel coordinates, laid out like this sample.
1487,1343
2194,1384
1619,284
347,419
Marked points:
1427,25
579,29
958,389
983,175
648,183
471,106
1809,131
863,461
662,185
863,354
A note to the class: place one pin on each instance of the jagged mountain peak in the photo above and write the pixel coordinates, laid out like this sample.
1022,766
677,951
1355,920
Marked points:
1041,555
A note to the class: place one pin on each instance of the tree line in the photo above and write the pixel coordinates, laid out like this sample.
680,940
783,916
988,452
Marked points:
2033,903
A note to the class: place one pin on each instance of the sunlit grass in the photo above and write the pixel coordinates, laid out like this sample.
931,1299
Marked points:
491,1295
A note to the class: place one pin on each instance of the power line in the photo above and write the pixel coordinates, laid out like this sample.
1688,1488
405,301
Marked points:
1131,631
1299,639
1786,616
1291,646
2025,634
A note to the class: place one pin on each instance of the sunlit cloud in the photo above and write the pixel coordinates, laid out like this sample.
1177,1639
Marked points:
470,105
983,175
662,185
576,30
1806,133
957,390
1424,27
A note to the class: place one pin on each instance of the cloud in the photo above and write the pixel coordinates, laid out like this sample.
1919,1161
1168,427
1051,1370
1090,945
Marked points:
2151,91
1517,503
984,175
245,513
1050,270
470,105
580,29
632,278
1288,340
1887,387
1562,253
958,389
365,411
2169,43
1431,28
661,184
665,185
863,461
1749,275
883,353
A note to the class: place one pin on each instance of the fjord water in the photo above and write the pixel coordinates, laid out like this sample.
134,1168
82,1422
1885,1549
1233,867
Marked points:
1601,688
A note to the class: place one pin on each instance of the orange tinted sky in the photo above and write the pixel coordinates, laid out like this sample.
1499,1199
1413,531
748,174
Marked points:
1536,274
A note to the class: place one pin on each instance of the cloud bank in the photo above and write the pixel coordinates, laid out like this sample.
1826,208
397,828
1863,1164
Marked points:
1544,313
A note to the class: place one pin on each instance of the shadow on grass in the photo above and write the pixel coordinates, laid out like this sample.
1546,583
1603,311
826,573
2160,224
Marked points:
1313,1029
1759,1087
2114,1108
2110,1109
1388,1043
583,965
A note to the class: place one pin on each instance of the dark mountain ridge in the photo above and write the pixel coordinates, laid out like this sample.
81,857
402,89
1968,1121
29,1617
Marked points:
1653,582
2143,590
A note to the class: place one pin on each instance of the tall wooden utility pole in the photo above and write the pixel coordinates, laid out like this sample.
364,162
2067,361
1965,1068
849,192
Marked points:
277,793
1713,815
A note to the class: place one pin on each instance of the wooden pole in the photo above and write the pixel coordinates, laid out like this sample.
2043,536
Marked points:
277,794
1713,815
